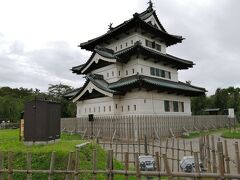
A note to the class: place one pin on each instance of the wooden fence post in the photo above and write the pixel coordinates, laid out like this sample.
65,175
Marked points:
94,164
145,145
237,157
29,166
178,155
110,175
157,165
221,159
227,159
52,163
76,176
138,175
173,154
196,162
126,165
10,168
214,162
1,165
69,165
208,154
167,168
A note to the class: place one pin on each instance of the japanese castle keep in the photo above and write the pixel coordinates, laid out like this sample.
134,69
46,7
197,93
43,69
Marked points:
130,72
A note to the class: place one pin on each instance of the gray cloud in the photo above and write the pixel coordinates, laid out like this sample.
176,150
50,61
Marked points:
39,68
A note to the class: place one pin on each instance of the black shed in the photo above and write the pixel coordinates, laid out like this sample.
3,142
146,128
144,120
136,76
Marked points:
41,121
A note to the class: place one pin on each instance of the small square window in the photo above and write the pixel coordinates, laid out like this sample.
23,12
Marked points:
116,106
175,106
126,72
166,106
119,73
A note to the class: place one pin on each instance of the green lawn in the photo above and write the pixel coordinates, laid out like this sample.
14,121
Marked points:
9,141
231,134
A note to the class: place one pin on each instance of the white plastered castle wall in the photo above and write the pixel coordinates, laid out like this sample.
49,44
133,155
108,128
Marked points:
134,102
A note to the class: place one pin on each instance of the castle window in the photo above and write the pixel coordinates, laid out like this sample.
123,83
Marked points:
99,108
116,106
181,106
110,108
133,71
160,73
126,44
116,48
122,108
126,72
128,108
175,106
158,47
167,106
121,46
104,109
135,107
119,73
112,73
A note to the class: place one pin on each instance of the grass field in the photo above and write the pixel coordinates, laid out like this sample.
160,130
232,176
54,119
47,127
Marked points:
9,141
231,134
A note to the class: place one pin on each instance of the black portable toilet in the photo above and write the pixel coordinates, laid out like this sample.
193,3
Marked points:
41,121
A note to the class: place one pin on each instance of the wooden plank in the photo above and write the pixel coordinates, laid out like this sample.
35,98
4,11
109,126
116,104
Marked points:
137,166
227,159
220,159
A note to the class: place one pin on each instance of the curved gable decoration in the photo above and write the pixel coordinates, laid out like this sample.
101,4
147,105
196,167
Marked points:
96,59
153,21
90,88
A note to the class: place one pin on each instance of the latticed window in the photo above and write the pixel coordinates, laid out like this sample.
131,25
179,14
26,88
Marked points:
167,106
175,106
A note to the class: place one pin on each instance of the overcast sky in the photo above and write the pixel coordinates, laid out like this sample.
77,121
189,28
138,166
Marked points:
38,39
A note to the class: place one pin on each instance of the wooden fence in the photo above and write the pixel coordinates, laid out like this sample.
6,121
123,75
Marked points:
137,126
218,170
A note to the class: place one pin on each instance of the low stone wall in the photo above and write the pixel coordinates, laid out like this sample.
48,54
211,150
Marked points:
136,126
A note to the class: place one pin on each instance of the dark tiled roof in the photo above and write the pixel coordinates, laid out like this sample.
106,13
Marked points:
138,81
156,84
71,93
137,20
105,52
137,47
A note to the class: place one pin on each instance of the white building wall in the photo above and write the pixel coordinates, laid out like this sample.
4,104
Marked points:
145,102
127,41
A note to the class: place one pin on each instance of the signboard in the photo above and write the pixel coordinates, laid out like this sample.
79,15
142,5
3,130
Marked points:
231,113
